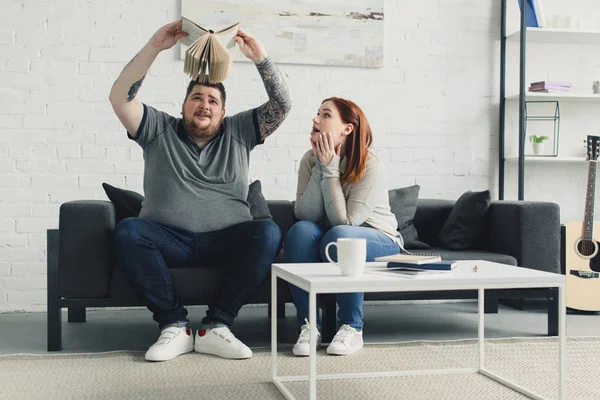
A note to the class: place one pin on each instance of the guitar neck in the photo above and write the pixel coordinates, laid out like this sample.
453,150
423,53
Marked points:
588,220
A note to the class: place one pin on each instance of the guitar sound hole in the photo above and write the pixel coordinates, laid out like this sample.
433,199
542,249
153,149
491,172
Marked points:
586,247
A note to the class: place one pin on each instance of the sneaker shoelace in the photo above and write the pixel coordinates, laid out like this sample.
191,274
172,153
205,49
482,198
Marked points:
305,332
344,334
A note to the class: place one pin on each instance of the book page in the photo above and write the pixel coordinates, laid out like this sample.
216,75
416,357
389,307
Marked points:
194,32
226,35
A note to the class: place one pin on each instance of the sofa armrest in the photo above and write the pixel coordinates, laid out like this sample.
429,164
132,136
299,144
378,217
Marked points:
528,231
85,255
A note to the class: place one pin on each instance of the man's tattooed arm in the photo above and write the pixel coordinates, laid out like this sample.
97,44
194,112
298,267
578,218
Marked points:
125,89
273,112
134,89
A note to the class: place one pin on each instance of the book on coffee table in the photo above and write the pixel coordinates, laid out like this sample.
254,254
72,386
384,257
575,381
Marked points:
412,272
416,259
446,265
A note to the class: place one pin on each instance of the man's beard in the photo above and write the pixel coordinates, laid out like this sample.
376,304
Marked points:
193,130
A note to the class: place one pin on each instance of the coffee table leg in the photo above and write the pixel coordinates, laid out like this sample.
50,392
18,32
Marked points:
481,327
273,327
312,317
562,346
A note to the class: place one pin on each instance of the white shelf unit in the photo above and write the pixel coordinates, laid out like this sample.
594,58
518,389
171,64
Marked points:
554,36
545,159
566,97
551,35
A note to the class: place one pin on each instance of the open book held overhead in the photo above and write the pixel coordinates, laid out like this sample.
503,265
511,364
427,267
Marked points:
207,58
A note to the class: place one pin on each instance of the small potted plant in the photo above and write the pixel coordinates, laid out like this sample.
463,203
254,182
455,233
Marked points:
538,143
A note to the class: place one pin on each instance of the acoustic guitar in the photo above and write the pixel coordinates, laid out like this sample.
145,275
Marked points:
581,258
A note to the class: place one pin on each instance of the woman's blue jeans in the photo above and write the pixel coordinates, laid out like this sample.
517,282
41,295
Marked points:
305,243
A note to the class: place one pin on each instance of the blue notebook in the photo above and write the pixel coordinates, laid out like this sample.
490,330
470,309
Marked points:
444,265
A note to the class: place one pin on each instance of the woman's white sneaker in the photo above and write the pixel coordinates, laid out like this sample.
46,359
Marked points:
302,346
346,341
220,342
172,342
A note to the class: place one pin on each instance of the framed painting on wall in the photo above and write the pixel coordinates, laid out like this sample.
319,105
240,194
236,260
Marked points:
340,32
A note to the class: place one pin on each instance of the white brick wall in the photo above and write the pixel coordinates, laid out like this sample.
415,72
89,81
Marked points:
433,109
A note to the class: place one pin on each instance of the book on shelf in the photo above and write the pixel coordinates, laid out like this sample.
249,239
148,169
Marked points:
548,89
207,58
445,265
544,84
539,13
531,17
412,259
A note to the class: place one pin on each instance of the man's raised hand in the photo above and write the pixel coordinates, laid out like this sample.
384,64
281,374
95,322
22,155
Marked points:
250,47
168,35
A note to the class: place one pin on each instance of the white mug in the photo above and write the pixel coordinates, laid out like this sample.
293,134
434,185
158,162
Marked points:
351,255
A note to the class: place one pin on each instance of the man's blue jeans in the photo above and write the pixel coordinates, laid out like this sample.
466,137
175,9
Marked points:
305,243
146,250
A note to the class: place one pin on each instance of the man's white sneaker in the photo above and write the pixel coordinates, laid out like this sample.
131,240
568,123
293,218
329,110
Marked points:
172,342
302,346
220,342
346,341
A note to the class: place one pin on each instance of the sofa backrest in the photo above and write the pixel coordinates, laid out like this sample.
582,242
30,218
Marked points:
432,214
430,217
282,212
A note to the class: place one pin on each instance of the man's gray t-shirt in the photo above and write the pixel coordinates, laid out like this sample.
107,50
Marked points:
198,190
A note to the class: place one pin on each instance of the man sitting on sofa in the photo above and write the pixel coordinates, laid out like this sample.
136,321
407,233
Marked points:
195,210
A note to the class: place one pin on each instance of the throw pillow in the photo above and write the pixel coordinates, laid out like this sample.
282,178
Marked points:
259,209
403,203
127,202
466,221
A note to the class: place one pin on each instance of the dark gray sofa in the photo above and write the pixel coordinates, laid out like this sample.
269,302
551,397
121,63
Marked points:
82,273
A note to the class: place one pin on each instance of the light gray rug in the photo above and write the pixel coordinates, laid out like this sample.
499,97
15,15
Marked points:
125,375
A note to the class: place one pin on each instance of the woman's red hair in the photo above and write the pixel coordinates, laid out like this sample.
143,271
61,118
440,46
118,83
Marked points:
359,140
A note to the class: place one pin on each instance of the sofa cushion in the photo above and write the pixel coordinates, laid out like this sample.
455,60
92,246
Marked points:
466,221
129,203
259,209
403,203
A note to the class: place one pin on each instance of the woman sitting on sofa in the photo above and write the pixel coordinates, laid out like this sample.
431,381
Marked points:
342,193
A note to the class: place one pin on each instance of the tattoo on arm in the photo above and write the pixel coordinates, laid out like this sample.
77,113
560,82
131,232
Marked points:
134,89
273,112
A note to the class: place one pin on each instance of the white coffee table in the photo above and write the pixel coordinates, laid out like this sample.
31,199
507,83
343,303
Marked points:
318,278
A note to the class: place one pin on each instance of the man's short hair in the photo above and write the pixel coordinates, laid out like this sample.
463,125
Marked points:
219,86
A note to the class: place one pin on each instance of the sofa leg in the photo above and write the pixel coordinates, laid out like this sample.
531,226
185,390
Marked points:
76,314
329,320
53,315
490,305
553,314
54,327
